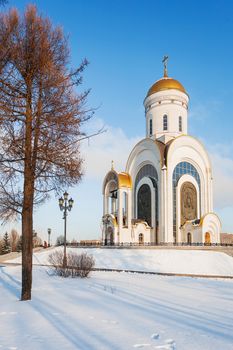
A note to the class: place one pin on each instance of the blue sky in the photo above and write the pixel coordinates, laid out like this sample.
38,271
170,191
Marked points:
125,41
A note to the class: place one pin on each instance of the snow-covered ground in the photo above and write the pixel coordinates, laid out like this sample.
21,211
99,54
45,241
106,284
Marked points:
115,311
157,260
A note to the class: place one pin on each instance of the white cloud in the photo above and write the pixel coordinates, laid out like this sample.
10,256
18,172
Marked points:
223,179
115,145
102,149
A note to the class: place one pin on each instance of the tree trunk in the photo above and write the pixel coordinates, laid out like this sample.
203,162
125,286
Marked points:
27,243
28,196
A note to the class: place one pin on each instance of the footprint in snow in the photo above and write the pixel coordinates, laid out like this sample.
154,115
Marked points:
155,336
170,345
110,321
139,346
114,322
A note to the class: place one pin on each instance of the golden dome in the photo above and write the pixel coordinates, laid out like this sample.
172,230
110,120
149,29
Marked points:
124,180
166,83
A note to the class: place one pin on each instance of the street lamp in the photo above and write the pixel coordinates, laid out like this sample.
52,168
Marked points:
49,233
65,205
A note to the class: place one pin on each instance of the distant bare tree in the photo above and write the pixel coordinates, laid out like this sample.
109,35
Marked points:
37,241
1,245
40,118
14,240
60,240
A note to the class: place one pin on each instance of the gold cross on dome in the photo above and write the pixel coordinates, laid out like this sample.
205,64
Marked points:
164,61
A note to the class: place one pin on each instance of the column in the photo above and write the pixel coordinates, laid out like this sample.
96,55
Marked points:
129,208
105,205
163,235
120,214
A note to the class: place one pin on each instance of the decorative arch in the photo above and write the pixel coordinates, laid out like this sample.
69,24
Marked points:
210,223
181,169
147,171
110,186
147,149
110,177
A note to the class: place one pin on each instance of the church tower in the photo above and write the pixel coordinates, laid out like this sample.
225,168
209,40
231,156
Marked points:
166,107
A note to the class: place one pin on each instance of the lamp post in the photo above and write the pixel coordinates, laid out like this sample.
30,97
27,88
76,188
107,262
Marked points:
65,205
49,233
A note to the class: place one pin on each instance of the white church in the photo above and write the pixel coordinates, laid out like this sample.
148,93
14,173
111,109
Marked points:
165,193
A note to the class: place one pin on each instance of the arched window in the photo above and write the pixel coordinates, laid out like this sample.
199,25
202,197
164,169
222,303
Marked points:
144,203
147,171
151,131
180,123
125,209
165,122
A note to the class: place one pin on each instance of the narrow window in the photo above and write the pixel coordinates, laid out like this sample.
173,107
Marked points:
141,239
180,123
150,127
165,122
125,209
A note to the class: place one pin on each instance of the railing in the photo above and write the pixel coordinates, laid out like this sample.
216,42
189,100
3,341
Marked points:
150,244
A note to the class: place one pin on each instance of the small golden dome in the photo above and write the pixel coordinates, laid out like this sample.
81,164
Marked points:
166,83
124,180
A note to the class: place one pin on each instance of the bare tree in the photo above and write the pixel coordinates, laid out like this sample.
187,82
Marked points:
1,245
37,241
40,117
14,240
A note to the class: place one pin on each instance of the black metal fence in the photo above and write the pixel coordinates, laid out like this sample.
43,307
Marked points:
150,244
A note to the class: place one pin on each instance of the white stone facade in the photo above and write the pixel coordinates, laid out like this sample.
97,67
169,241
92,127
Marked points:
165,194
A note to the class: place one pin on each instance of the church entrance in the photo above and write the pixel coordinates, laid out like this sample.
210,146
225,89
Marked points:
207,238
141,239
189,238
144,203
109,240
